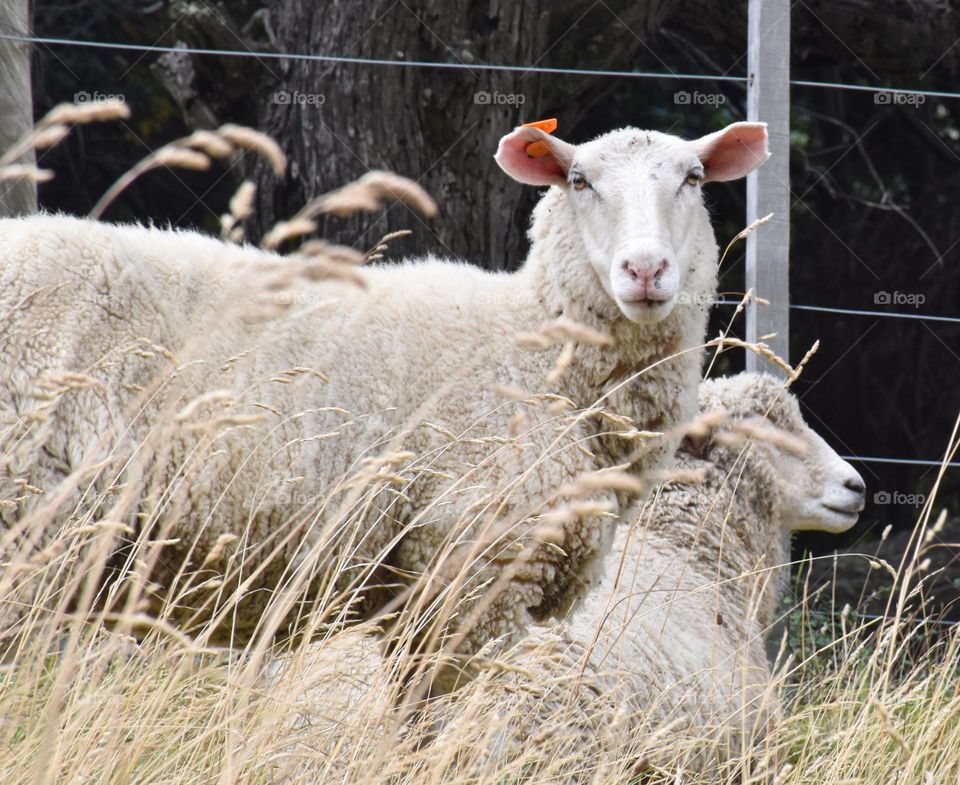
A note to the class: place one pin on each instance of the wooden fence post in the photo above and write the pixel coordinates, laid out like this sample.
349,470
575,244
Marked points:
768,188
17,197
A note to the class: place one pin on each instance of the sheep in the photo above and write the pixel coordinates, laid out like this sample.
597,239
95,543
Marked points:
668,644
328,453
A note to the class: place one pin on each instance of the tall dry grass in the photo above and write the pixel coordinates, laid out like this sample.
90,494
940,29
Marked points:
89,694
110,678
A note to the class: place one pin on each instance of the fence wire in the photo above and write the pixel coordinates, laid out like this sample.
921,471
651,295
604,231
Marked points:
501,67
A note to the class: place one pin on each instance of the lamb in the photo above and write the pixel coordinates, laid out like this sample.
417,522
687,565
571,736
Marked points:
331,454
670,639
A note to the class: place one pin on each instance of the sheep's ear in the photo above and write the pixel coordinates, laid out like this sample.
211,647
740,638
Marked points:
697,437
695,444
732,152
549,169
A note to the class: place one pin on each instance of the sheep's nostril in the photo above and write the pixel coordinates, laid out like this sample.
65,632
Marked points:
643,270
856,485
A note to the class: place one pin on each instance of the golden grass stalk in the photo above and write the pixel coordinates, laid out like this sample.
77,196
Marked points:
333,253
50,136
241,203
25,172
743,234
761,349
80,114
384,242
329,265
195,152
256,141
368,193
775,436
209,142
55,125
287,230
241,208
563,330
168,156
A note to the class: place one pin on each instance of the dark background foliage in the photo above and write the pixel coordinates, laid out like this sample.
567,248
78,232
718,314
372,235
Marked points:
875,184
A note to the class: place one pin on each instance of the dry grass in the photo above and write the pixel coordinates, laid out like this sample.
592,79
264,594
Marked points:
104,682
100,691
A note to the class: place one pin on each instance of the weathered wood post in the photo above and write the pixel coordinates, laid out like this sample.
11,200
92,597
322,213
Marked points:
768,188
17,197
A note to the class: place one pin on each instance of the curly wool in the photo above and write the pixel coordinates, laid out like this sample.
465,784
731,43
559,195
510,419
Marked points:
668,644
293,432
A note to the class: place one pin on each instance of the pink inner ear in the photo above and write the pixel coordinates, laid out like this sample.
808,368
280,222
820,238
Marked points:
733,152
546,170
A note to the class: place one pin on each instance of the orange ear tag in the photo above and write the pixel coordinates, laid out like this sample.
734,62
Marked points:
539,149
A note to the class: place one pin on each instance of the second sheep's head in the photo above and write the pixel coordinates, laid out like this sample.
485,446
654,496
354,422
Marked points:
807,485
635,201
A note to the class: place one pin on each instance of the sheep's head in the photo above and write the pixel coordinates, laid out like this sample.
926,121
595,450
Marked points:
635,199
811,487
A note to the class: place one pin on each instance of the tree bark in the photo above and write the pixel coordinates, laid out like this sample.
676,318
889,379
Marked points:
17,197
425,123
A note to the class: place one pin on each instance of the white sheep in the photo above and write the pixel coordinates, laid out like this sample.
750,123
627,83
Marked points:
361,433
669,642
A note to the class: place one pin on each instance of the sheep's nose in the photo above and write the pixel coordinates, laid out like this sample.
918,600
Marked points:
856,485
646,270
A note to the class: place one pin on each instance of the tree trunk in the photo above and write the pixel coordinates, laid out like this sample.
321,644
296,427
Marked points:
17,197
426,123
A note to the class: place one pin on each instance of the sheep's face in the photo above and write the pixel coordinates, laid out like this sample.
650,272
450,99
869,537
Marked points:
818,489
635,200
812,487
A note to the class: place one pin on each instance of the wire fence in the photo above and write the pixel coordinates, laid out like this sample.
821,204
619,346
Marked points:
459,66
919,620
860,312
925,462
930,463
535,69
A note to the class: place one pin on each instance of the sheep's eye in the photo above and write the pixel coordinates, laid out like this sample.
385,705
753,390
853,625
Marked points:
579,182
693,178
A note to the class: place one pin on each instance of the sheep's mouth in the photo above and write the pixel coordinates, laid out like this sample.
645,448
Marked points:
847,512
648,302
645,310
